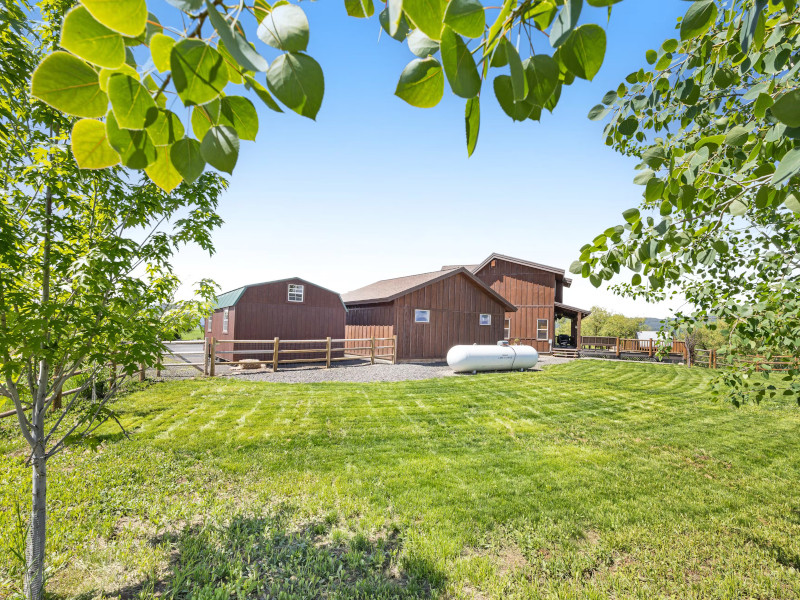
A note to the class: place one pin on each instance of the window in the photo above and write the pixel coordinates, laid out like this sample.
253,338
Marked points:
225,321
542,329
296,292
486,320
422,316
210,318
507,329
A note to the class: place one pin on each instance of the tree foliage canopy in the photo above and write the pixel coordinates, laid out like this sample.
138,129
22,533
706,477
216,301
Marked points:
715,123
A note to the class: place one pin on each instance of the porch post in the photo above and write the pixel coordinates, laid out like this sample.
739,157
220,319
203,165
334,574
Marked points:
578,336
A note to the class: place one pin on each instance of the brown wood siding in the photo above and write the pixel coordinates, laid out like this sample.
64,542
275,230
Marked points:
264,312
362,332
456,304
532,291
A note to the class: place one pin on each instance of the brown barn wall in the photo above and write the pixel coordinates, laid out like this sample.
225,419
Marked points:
532,291
361,332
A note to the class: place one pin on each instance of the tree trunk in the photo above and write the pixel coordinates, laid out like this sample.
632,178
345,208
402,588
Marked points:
34,555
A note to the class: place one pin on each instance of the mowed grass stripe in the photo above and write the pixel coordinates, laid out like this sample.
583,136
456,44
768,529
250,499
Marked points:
590,479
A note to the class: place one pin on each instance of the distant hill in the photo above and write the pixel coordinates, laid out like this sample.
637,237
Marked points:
653,323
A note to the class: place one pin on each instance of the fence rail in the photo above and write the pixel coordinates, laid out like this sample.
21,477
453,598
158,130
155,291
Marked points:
633,346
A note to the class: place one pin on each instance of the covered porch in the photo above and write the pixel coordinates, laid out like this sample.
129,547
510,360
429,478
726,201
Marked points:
575,316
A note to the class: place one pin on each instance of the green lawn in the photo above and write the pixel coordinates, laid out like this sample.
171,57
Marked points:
588,480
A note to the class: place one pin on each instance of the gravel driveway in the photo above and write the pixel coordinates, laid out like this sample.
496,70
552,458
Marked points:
355,371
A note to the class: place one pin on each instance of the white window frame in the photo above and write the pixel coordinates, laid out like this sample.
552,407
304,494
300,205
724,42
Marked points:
225,320
295,290
210,321
539,330
488,320
422,312
507,329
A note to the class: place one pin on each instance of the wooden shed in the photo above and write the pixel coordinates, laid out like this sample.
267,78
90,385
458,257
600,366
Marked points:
430,312
289,309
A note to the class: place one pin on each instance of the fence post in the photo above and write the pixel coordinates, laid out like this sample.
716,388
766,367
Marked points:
372,351
617,347
212,364
205,357
275,344
328,354
714,355
394,349
650,349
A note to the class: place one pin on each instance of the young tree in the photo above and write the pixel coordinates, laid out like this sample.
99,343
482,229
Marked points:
603,322
84,270
716,124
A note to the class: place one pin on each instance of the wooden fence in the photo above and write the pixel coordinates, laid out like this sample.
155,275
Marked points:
780,364
275,352
633,346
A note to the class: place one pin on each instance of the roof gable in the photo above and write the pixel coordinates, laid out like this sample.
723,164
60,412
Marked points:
388,290
524,263
231,298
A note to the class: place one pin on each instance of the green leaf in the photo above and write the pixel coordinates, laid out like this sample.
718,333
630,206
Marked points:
160,49
472,118
598,112
262,93
584,51
636,279
465,17
565,22
198,72
421,83
204,117
670,45
165,128
135,148
503,91
542,75
519,83
90,145
651,56
82,35
285,28
643,177
787,108
68,84
128,17
188,5
239,113
130,101
392,20
631,215
220,148
763,102
654,157
792,203
297,81
427,15
788,167
499,55
187,159
162,172
361,9
699,17
737,208
421,45
654,190
576,267
105,75
235,43
737,136
459,66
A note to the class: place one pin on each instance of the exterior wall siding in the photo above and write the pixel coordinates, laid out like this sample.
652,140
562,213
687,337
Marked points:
455,304
532,291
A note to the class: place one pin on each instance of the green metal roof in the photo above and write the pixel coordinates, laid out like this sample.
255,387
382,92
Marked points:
229,298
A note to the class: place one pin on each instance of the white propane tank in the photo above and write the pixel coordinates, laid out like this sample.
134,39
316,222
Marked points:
463,359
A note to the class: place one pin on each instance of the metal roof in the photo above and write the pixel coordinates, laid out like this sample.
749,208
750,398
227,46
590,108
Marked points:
524,263
387,290
229,298
563,306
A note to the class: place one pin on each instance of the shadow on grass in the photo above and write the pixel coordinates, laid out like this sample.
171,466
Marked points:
258,557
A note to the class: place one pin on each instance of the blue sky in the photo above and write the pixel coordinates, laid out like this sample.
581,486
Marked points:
376,188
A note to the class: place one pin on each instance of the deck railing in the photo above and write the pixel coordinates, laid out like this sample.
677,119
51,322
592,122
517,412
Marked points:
633,346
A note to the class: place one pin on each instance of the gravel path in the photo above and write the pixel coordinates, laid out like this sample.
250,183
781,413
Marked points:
351,372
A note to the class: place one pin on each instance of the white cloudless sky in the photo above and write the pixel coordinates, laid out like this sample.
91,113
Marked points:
377,189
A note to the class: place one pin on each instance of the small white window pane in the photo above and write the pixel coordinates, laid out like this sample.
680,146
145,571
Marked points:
486,320
507,329
296,292
542,329
422,316
225,321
